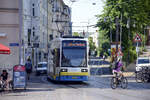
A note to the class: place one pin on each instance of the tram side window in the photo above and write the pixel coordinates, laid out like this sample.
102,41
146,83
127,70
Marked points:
56,57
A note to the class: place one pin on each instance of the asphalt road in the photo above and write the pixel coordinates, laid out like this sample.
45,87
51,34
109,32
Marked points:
97,88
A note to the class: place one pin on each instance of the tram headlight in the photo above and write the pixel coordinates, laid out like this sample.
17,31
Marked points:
63,70
84,70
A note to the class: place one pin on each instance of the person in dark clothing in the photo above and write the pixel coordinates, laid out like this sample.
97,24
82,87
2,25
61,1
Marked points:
5,78
4,75
28,66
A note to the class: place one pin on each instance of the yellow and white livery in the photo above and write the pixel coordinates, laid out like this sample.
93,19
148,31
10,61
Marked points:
68,59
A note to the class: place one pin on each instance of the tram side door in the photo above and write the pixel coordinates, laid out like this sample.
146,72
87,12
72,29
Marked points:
56,59
50,64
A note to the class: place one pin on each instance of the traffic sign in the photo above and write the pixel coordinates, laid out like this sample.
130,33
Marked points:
137,38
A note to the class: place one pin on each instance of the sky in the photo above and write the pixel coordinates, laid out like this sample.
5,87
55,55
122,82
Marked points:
83,13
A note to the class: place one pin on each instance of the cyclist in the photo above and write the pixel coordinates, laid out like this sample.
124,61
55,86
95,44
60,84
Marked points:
117,68
5,78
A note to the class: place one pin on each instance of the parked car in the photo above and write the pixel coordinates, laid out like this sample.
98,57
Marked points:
142,62
41,68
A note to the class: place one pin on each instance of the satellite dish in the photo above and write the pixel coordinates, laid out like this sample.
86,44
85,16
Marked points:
94,3
73,0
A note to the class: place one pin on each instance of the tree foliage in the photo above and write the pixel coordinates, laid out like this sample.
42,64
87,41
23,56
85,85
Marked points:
132,13
91,44
76,34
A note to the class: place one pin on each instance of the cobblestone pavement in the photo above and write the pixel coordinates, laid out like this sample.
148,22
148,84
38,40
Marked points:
97,88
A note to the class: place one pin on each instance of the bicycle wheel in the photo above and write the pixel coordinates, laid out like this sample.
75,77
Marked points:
138,77
145,77
114,83
124,82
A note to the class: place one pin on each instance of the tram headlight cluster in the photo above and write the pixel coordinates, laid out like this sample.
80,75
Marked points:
84,70
63,70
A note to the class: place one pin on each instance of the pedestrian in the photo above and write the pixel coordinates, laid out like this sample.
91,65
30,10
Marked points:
28,66
5,77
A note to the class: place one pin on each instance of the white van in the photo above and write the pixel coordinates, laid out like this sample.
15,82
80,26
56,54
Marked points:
142,62
41,68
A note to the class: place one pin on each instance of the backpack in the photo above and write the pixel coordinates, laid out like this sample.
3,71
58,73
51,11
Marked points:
28,65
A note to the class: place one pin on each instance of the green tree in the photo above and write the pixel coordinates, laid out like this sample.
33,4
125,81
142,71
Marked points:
134,12
76,34
91,44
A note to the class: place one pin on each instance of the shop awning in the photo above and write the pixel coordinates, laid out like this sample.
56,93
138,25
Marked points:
4,49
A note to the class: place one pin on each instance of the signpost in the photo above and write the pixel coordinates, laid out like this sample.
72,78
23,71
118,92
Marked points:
137,39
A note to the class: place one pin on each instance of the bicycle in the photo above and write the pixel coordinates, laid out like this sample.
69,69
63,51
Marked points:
115,82
142,75
3,85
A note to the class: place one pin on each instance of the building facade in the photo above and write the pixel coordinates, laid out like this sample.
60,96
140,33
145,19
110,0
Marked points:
28,26
61,21
9,31
37,27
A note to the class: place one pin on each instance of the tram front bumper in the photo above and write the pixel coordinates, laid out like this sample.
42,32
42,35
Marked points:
73,78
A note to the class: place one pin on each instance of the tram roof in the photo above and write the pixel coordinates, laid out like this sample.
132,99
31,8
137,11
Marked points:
70,38
73,37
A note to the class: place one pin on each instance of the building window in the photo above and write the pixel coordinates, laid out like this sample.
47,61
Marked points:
33,33
29,37
33,11
50,37
39,56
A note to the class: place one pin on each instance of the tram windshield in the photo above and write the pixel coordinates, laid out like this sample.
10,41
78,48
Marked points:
74,54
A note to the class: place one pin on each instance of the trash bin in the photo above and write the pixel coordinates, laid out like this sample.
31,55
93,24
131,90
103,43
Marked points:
19,76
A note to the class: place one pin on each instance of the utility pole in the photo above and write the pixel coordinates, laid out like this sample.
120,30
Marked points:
117,33
20,31
121,32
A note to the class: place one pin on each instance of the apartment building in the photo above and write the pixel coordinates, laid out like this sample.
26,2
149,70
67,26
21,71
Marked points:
9,31
61,21
37,28
28,26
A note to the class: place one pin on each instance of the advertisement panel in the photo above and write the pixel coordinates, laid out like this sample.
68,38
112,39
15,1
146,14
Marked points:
19,76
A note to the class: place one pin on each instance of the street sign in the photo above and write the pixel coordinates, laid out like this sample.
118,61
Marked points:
137,38
13,44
